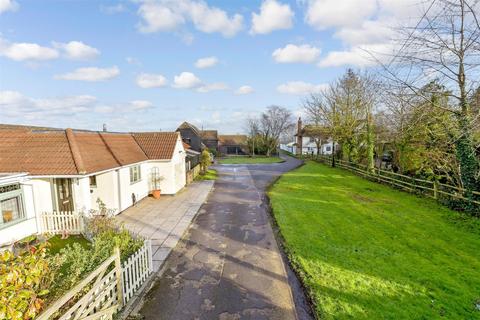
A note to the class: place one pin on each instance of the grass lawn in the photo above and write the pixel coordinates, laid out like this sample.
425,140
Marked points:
211,174
367,251
57,243
249,160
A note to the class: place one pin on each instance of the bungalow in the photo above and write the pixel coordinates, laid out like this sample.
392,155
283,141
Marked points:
232,144
69,170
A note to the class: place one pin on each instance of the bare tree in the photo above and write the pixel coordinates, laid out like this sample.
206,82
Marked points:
273,123
345,109
445,45
253,131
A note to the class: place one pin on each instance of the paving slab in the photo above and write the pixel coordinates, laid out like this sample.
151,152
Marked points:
165,220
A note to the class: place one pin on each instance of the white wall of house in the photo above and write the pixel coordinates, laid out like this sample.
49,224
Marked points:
43,193
106,190
139,189
26,226
81,192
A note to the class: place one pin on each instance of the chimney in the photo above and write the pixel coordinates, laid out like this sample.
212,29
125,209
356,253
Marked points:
77,157
299,137
104,127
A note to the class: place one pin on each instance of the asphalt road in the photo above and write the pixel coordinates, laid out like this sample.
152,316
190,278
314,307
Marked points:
228,266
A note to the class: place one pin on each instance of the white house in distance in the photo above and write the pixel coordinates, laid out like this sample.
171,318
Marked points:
68,170
304,142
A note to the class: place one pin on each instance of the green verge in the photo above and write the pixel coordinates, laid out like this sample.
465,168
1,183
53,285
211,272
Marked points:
367,251
211,174
249,160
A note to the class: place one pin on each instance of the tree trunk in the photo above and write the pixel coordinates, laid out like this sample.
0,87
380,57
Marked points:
370,145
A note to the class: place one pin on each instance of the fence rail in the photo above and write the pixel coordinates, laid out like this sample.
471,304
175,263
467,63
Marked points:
101,301
136,270
433,189
61,221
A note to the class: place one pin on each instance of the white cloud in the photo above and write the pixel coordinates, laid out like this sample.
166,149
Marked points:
91,74
300,87
15,104
244,90
293,53
77,50
146,80
322,14
65,111
26,51
212,87
207,62
186,80
168,15
359,56
136,105
365,27
273,16
157,17
113,9
8,5
134,61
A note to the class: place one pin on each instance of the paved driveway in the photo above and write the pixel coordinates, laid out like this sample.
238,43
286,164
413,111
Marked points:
228,265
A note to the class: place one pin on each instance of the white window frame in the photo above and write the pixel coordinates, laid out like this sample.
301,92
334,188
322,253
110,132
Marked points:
18,194
135,174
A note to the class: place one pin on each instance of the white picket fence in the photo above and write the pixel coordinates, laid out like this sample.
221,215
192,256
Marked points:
103,301
61,222
136,270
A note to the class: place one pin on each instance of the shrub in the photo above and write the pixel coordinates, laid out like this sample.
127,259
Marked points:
78,261
24,283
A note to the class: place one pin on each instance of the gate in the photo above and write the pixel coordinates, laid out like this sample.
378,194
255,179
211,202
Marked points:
100,302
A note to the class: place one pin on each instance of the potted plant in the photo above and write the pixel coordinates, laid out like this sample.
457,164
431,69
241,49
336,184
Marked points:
156,186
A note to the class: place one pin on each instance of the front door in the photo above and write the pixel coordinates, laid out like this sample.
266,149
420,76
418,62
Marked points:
64,194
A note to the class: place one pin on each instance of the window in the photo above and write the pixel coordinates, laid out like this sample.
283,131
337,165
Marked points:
328,148
11,205
135,174
93,181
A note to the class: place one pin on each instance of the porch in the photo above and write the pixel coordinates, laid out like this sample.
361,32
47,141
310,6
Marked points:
165,220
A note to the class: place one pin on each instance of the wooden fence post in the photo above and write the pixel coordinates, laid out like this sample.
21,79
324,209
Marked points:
435,189
118,274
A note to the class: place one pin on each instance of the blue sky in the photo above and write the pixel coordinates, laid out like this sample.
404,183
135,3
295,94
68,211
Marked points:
83,63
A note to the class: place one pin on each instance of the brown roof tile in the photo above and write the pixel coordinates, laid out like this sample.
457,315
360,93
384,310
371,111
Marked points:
209,134
157,145
232,139
124,148
39,153
73,152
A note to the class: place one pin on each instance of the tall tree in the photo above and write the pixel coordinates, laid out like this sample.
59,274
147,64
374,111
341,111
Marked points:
445,44
273,123
346,109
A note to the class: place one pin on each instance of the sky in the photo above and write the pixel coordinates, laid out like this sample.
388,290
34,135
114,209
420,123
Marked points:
150,65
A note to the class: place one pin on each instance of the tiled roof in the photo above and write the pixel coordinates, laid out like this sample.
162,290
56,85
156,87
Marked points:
36,152
209,134
157,145
73,152
124,148
232,139
186,146
187,125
